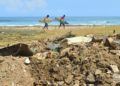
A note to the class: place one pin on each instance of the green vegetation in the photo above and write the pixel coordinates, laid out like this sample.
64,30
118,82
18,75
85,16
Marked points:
12,35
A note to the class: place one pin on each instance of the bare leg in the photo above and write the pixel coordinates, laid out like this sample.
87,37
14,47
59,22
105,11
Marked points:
60,25
64,26
46,26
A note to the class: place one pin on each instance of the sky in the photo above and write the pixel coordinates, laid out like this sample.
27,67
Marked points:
33,8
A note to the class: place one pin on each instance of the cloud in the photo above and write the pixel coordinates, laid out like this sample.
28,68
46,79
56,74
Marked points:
22,5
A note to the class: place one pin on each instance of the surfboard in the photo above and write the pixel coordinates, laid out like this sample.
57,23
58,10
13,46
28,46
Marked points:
45,20
66,22
58,19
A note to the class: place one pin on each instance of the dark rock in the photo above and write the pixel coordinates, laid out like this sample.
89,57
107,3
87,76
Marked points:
16,50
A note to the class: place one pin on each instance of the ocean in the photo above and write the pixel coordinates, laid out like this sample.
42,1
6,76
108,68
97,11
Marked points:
34,21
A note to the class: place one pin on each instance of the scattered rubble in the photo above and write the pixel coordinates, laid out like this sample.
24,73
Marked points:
88,61
81,64
114,68
80,39
27,60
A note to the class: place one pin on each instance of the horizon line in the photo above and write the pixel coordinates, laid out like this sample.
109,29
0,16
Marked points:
53,16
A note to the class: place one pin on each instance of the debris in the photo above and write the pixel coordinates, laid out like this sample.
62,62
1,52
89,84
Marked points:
27,60
53,46
82,62
114,68
80,39
75,65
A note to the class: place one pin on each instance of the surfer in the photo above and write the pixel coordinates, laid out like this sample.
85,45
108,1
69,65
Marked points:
62,21
46,20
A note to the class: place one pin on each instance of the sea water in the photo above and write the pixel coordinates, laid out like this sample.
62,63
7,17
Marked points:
34,21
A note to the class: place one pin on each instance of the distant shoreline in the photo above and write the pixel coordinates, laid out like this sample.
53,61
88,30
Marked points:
51,25
73,21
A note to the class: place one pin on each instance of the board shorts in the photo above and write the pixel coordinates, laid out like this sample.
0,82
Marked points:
62,23
46,25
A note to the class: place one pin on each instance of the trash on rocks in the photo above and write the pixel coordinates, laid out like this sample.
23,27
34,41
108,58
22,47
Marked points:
114,68
84,61
87,63
53,46
27,60
80,39
16,50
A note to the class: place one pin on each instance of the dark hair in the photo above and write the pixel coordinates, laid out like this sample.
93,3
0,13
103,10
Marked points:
63,15
47,16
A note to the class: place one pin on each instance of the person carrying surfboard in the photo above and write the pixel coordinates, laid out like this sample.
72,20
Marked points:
62,22
46,20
